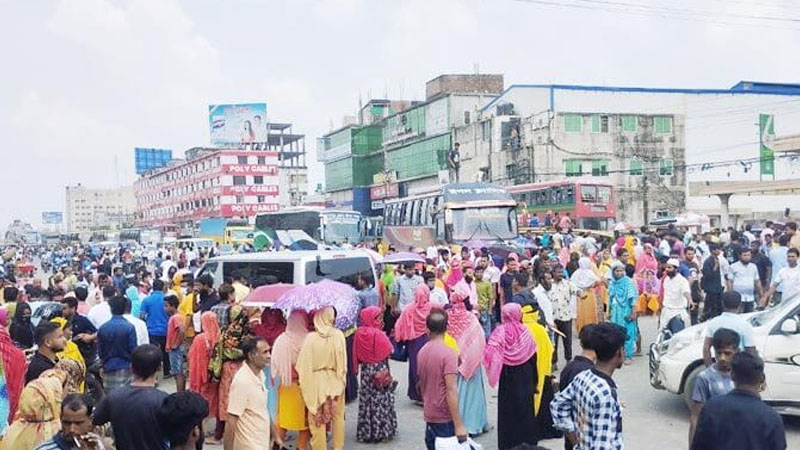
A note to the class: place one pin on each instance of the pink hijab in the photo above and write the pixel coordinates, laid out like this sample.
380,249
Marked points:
411,323
646,261
456,274
510,344
464,327
287,346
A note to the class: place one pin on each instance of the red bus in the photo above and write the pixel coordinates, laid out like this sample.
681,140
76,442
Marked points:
590,204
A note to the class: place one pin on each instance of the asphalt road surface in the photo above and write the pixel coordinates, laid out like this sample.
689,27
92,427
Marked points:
651,419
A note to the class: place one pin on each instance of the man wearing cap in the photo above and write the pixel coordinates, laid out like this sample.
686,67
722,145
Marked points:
677,298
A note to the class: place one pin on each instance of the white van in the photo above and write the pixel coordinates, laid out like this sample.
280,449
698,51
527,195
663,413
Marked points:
292,267
196,243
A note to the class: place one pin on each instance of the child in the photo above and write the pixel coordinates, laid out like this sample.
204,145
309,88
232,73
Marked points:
175,338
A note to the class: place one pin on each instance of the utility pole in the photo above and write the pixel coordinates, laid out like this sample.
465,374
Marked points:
644,199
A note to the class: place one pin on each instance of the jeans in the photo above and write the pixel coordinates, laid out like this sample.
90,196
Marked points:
748,307
712,306
434,430
486,323
161,342
564,326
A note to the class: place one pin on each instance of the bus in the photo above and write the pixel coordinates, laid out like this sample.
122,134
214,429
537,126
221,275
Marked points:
325,225
454,213
589,203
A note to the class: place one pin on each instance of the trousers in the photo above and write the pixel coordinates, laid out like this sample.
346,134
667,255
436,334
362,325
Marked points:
319,438
566,328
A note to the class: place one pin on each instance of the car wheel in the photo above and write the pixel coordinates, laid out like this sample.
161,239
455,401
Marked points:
688,385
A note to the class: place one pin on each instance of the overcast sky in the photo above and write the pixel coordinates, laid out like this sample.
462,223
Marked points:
85,81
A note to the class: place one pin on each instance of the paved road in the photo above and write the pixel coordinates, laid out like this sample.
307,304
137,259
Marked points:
652,419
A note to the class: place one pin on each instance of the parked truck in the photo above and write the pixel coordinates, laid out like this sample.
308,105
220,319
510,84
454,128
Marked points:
226,231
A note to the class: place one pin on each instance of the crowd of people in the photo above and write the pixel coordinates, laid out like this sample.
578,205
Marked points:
464,318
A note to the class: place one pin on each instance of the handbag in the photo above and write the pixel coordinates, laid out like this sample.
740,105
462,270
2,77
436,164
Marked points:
382,379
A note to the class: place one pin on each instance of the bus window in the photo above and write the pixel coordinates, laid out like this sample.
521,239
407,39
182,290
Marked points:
569,197
416,216
401,219
604,194
387,214
425,212
589,194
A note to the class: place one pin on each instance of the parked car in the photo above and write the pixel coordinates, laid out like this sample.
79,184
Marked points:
44,310
676,362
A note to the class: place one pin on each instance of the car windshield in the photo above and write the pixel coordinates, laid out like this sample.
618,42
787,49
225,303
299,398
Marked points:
767,316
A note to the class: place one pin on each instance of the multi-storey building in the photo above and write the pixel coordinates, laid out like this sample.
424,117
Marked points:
214,182
91,209
646,142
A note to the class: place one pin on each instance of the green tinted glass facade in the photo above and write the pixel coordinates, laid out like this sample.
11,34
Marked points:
367,140
339,175
364,167
420,159
409,123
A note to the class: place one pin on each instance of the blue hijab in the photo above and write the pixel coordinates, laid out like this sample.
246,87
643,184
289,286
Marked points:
623,288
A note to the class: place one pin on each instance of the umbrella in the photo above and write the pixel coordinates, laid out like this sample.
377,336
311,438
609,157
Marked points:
403,257
266,296
503,250
313,297
523,242
374,256
476,243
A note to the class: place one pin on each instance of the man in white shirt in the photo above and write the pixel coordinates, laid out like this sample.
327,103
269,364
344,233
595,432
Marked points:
438,295
101,313
788,278
541,293
743,278
138,325
677,296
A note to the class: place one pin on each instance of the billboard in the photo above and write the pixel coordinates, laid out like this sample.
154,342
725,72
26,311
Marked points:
151,158
52,217
766,138
235,125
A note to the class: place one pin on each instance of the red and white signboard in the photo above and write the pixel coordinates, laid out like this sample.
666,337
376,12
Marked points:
384,191
248,209
250,169
257,189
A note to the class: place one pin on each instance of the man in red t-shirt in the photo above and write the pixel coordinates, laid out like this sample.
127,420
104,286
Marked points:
174,346
437,366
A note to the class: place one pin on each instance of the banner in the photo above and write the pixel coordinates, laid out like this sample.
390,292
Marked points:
766,138
250,169
147,159
52,217
258,189
235,125
248,209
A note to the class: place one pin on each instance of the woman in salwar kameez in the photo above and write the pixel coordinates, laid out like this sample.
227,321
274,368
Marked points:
410,329
464,327
510,359
589,308
622,295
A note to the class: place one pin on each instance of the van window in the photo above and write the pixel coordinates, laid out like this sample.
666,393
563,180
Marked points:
253,271
210,268
344,270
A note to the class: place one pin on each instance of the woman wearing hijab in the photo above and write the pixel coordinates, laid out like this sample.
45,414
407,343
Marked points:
464,327
199,357
377,418
411,329
271,325
544,368
292,413
12,374
586,280
21,327
646,261
510,359
622,296
39,415
322,369
228,357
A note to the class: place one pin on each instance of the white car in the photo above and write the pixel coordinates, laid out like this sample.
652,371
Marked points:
676,362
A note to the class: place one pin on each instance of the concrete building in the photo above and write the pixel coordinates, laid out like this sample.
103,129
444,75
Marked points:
410,154
647,142
213,182
91,209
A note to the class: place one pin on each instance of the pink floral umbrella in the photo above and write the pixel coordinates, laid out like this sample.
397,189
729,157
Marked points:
266,296
313,297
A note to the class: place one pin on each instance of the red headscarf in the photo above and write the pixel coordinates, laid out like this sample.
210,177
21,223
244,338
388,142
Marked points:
510,344
271,326
370,344
411,323
14,366
464,327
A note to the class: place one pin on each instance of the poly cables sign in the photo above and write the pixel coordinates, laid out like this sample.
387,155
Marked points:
250,169
244,209
258,189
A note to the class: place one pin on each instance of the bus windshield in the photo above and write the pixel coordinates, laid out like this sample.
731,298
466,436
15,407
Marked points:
596,194
341,226
241,233
489,223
